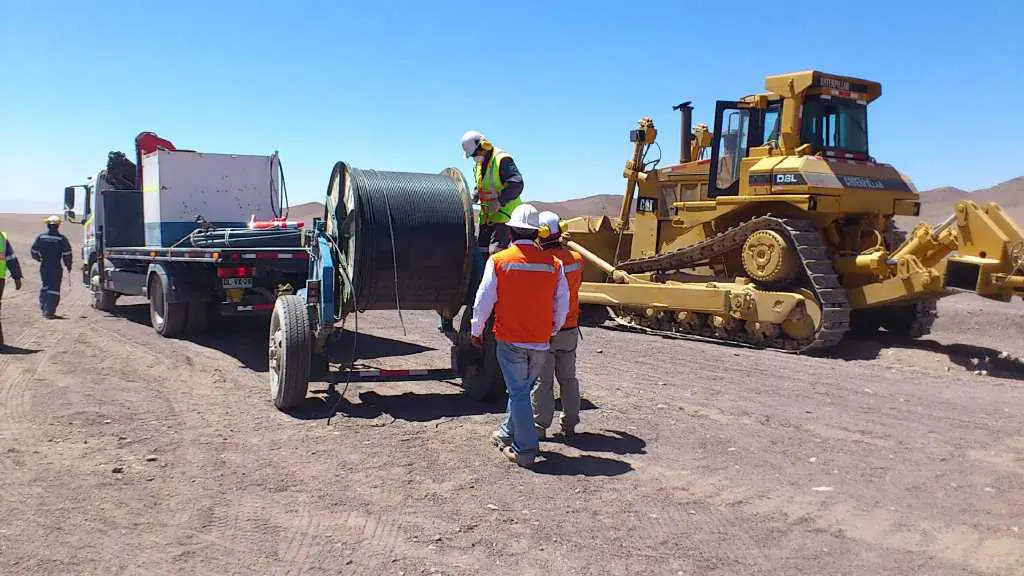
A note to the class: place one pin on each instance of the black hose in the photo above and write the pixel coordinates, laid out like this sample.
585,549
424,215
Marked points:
406,236
245,238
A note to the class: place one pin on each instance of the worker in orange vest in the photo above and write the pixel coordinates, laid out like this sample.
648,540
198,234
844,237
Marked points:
525,288
561,360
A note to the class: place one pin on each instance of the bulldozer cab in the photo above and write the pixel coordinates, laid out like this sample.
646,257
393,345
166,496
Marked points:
739,127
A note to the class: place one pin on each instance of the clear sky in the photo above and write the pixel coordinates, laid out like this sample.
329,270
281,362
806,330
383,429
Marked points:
392,85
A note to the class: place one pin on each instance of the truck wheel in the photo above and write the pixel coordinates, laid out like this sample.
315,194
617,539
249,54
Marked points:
103,300
167,318
479,370
198,313
289,351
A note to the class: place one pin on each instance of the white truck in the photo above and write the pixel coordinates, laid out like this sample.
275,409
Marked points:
196,234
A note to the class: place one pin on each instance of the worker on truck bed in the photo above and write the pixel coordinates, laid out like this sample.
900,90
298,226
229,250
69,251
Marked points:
9,263
525,288
561,357
50,249
499,186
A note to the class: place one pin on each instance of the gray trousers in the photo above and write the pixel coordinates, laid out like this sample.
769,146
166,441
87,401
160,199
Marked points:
561,363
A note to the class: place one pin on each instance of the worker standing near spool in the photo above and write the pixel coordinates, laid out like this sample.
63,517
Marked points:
525,288
50,249
561,357
8,262
499,186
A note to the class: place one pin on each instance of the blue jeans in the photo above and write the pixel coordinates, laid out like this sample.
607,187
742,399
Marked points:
521,367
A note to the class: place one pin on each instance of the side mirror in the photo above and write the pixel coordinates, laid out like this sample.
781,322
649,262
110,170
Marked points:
69,215
69,198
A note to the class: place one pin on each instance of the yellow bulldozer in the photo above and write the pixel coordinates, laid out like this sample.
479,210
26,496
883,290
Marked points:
776,229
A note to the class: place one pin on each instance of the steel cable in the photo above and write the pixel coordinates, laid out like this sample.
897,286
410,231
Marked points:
407,237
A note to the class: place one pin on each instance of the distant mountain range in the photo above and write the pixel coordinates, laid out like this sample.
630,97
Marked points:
936,204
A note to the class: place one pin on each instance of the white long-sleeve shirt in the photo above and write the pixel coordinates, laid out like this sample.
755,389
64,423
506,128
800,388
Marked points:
487,297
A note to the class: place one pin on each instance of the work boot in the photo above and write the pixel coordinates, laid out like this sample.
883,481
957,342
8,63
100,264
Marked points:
542,433
568,432
500,441
521,460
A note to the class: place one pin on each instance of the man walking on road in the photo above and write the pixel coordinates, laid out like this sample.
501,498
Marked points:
526,289
499,186
50,249
561,357
9,262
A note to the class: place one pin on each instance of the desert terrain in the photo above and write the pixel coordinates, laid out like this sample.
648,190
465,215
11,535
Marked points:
125,453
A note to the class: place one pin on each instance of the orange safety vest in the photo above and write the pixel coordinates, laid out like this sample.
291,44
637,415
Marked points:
527,280
572,267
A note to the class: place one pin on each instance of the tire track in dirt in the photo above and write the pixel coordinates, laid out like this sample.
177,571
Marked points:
317,534
302,539
17,371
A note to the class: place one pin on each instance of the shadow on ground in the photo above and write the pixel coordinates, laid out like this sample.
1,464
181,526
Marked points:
16,351
244,338
555,464
617,442
409,406
348,345
970,357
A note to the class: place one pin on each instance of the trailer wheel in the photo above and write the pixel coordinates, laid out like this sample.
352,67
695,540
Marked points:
103,300
167,318
289,352
479,369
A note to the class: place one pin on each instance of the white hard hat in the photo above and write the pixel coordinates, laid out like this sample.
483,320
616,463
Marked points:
550,224
524,217
53,220
470,140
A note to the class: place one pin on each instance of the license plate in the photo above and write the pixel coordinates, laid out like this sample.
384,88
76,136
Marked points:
236,282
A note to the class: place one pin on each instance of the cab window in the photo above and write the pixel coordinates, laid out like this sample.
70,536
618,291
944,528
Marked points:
835,124
732,146
772,124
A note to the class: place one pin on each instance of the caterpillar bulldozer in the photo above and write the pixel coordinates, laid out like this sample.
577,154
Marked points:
776,229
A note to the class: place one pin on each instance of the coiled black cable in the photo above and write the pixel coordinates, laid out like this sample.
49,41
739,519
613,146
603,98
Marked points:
407,237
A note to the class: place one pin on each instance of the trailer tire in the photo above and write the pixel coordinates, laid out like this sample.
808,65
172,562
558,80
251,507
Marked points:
167,318
103,300
479,370
198,317
289,348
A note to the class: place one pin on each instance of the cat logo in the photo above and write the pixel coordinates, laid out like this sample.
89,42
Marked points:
644,204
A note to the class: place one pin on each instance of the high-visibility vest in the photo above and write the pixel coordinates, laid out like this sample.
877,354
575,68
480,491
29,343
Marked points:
572,267
527,280
3,255
489,185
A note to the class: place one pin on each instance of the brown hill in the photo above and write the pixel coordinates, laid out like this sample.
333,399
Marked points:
306,212
601,204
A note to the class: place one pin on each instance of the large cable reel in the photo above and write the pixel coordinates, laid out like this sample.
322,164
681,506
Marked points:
404,239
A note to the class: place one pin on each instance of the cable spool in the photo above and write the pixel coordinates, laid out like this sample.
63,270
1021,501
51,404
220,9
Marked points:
405,238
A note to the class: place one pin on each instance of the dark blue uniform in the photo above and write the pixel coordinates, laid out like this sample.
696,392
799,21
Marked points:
50,249
12,265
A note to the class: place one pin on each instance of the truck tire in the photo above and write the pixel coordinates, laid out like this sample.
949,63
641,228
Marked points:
197,317
103,300
290,346
479,369
167,318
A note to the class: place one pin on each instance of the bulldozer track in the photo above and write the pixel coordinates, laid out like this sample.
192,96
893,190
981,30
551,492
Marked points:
821,277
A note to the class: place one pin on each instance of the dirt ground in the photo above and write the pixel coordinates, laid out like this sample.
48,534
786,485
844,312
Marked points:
125,453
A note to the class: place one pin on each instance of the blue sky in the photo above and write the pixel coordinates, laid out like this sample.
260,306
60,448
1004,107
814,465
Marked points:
392,85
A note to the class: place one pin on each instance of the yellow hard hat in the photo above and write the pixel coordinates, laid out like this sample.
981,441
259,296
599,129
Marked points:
53,221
